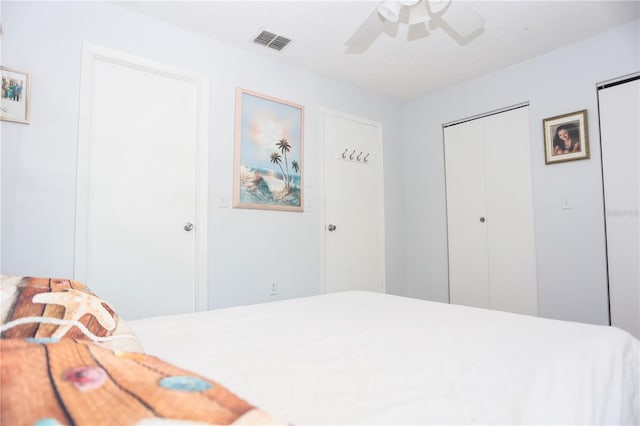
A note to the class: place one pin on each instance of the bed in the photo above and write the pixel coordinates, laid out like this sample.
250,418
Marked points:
371,358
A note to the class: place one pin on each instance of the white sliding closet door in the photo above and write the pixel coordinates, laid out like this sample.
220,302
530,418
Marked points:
466,205
492,261
620,137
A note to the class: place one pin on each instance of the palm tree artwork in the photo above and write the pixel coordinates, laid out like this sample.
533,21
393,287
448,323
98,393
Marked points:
269,158
256,185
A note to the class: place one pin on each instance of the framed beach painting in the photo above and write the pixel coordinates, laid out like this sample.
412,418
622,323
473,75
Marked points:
14,103
268,163
566,137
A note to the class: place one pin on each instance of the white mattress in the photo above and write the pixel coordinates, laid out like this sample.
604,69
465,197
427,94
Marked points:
370,358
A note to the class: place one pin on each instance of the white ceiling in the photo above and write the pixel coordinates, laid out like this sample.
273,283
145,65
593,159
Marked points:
392,66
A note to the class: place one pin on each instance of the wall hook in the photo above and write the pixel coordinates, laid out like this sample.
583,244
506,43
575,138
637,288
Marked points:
344,154
366,157
352,154
359,155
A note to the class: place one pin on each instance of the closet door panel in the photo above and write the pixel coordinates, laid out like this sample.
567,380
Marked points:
510,223
492,260
468,266
620,133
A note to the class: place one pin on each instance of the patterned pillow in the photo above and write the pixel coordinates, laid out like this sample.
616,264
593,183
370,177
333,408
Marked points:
48,308
81,383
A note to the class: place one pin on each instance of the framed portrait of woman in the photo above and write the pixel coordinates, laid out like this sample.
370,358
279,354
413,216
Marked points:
566,137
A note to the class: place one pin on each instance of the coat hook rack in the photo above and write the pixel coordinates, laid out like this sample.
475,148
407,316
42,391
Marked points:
361,158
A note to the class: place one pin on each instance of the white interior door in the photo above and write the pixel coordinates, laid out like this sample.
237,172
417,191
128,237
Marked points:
140,185
620,137
492,261
353,204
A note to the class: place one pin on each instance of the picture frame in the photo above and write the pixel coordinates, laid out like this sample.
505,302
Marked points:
268,153
15,95
566,137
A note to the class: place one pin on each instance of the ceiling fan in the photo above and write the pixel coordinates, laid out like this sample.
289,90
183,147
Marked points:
456,18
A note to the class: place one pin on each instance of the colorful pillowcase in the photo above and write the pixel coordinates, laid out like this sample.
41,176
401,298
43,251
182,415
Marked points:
78,382
49,308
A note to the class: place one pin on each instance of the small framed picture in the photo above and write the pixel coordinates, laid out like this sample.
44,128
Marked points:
566,137
268,167
14,105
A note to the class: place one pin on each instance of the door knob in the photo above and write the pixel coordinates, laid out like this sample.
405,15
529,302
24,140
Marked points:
331,228
188,226
482,219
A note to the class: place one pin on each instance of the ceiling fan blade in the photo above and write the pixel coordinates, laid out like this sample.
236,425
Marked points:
390,10
418,13
368,31
462,20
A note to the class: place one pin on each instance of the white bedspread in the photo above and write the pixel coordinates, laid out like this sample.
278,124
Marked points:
369,358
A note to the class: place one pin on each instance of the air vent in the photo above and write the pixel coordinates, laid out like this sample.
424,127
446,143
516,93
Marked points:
271,40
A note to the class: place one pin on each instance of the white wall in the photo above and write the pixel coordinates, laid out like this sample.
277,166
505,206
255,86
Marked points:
249,249
570,243
38,161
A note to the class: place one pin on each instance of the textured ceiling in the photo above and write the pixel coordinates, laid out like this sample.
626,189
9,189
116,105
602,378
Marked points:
392,66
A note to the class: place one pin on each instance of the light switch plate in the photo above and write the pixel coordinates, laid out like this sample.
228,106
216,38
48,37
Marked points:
223,200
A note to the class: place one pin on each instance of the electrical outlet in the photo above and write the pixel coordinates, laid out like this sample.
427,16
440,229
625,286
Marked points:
274,289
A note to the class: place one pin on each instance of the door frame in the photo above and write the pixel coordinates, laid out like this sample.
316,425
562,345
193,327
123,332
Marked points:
323,113
90,55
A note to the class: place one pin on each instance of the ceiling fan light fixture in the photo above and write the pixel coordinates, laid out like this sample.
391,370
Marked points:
418,14
438,7
390,10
